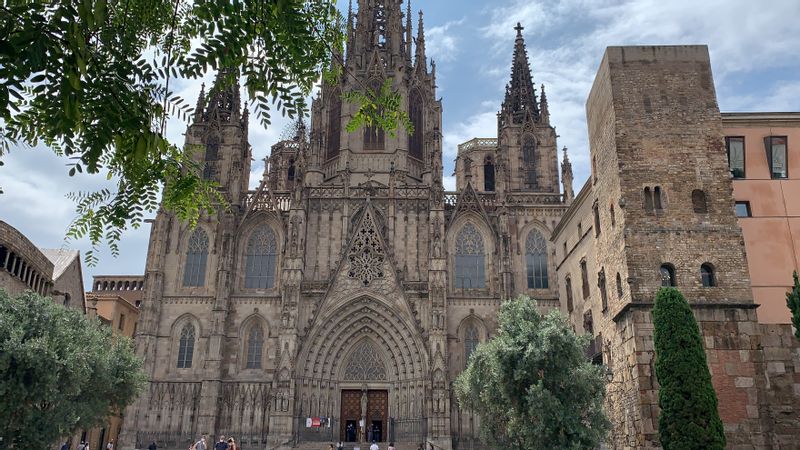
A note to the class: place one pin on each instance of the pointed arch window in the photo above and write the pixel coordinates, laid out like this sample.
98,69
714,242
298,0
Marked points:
529,160
255,344
374,136
334,124
415,114
211,157
194,272
261,255
290,171
536,260
488,174
471,341
186,347
470,259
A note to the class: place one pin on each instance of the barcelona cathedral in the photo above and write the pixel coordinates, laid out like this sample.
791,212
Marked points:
341,298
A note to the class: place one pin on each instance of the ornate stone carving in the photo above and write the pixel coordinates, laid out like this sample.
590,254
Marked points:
366,254
365,364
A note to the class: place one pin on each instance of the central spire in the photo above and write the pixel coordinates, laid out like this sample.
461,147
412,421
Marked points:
520,97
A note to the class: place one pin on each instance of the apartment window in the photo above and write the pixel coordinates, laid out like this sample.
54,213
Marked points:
776,156
584,279
596,211
743,209
667,275
736,156
568,285
601,284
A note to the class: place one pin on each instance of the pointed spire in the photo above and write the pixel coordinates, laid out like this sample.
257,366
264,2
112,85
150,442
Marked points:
224,102
409,38
420,62
520,94
350,31
201,103
544,107
566,178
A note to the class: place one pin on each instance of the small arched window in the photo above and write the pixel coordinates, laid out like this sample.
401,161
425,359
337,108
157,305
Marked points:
471,341
261,254
667,275
707,275
488,174
536,260
657,200
255,344
620,292
470,259
596,212
186,347
584,279
601,285
699,201
194,273
648,200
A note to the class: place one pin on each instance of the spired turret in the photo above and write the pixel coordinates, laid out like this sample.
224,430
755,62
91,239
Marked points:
218,136
379,50
527,155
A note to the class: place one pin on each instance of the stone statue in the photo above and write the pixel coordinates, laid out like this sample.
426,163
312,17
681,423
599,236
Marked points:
364,404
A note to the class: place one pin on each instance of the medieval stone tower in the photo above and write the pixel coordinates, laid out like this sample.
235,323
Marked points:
340,299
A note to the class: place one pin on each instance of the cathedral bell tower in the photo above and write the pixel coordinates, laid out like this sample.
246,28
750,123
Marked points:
380,47
218,136
527,157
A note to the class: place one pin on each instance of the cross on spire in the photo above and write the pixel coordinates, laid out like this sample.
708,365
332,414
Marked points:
519,29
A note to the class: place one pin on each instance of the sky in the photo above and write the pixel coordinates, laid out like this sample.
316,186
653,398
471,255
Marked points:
755,57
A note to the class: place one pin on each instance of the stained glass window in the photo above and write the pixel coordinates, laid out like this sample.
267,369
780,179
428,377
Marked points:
194,273
536,260
470,259
255,343
471,341
261,255
186,347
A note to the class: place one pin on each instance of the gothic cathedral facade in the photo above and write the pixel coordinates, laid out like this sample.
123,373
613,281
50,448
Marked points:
341,298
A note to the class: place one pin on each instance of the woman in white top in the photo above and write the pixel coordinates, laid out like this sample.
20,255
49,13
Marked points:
391,446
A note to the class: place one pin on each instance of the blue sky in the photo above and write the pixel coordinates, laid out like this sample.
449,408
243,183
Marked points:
755,55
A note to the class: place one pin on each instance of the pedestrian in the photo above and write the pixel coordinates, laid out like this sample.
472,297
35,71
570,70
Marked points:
232,444
391,446
330,447
200,444
82,445
340,446
64,446
152,446
374,446
110,445
221,445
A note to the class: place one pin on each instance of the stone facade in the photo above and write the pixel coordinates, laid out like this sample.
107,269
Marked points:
349,285
652,114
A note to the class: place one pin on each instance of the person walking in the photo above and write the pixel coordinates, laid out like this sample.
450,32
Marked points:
64,446
200,444
110,445
374,446
340,446
391,446
152,446
232,444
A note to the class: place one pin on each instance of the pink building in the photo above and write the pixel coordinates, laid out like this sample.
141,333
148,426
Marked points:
764,156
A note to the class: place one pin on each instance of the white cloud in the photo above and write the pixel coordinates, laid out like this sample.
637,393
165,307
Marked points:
441,43
449,183
482,124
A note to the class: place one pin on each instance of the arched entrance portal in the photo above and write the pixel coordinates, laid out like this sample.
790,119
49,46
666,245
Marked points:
365,367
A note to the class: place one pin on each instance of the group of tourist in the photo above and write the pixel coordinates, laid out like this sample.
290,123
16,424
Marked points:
85,446
222,444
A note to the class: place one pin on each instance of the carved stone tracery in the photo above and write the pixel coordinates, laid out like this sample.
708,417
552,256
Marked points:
365,364
366,254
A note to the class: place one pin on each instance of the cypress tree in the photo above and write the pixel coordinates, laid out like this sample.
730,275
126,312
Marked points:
793,302
689,419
